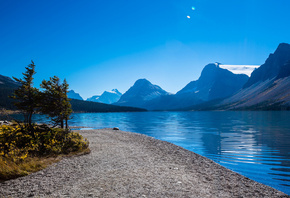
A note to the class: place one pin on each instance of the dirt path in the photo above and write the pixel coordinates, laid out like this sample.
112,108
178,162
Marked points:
124,164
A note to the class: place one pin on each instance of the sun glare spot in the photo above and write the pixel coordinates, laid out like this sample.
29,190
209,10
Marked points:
188,17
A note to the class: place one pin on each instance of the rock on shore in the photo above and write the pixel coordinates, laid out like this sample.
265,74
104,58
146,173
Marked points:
123,164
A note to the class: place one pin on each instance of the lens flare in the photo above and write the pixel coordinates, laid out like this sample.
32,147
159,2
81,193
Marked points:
193,8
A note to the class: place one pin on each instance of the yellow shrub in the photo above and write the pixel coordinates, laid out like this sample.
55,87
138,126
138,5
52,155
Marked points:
19,141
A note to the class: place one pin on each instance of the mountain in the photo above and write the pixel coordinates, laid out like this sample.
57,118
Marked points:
214,83
108,97
272,66
7,87
140,94
73,95
8,82
267,88
284,70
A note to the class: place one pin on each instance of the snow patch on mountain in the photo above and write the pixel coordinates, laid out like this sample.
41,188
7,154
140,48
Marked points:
240,69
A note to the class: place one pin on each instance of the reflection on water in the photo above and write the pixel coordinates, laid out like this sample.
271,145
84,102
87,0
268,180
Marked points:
255,144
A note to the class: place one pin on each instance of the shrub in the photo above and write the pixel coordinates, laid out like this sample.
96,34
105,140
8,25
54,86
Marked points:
18,141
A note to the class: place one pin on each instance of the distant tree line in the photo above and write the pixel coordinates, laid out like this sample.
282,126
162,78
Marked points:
92,107
51,101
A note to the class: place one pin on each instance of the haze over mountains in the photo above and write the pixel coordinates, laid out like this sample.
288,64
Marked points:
216,89
107,97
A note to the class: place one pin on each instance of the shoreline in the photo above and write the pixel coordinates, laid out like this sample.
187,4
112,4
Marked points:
126,164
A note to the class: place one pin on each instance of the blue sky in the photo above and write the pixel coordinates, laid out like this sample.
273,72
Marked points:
100,45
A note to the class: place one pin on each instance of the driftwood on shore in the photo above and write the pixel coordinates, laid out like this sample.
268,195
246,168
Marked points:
123,164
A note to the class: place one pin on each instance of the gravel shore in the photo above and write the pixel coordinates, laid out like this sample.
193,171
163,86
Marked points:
123,164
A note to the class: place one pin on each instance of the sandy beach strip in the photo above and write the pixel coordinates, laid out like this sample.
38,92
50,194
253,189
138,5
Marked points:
124,164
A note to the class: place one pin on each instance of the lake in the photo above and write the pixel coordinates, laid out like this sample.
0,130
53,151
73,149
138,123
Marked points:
254,144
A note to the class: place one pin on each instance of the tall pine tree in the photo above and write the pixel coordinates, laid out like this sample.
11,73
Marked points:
26,95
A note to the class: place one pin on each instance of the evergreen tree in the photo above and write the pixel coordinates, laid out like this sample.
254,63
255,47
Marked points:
55,102
65,103
26,95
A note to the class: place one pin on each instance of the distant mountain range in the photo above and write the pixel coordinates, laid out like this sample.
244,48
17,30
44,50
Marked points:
107,97
7,87
268,88
213,83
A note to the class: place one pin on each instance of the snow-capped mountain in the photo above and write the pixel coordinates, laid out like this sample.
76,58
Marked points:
94,98
107,97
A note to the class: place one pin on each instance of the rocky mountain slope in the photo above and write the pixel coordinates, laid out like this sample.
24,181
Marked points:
213,83
7,87
141,93
272,66
73,95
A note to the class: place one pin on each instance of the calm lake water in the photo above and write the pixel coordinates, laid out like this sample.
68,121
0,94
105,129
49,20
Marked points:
254,144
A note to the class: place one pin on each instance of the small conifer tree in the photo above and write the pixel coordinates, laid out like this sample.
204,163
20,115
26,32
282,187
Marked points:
55,102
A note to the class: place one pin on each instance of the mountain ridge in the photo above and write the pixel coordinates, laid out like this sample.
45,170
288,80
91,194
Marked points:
271,67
